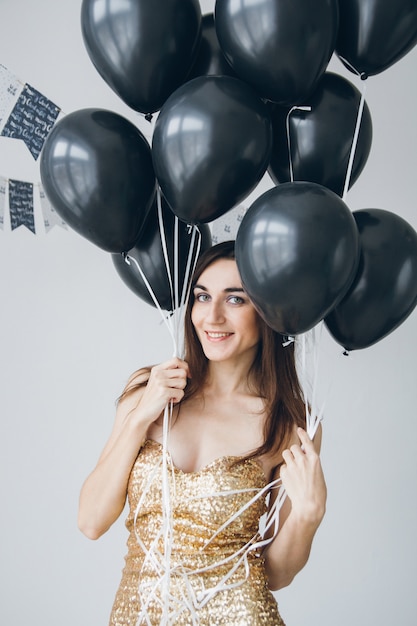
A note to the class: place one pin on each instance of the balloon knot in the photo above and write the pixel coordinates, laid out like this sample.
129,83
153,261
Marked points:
148,117
287,340
126,257
363,75
346,353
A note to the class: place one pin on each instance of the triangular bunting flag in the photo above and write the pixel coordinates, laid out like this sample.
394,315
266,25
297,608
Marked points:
10,90
31,120
50,216
21,204
3,182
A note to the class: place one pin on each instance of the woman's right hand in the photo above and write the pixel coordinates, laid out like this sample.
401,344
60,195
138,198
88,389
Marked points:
103,495
166,384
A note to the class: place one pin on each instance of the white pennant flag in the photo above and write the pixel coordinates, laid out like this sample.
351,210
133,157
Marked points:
225,228
3,183
10,90
50,216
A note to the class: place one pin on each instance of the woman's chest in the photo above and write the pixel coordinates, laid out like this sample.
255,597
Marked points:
200,434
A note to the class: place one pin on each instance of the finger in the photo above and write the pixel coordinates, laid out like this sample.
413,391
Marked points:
163,373
177,367
176,378
297,451
177,363
305,439
178,383
167,365
288,456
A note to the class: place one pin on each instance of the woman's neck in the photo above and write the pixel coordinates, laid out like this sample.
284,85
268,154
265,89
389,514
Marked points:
225,378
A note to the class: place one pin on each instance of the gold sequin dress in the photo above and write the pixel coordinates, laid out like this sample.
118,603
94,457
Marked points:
208,576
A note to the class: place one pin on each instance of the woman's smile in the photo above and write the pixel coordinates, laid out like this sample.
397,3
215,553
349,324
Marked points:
217,336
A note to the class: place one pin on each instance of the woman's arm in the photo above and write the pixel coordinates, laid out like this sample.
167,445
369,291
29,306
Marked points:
103,494
301,513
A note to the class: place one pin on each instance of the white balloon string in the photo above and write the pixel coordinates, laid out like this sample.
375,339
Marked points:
353,69
178,313
161,563
179,297
159,592
287,124
166,512
193,255
167,321
164,243
304,377
176,264
354,141
313,412
316,413
189,271
317,336
183,297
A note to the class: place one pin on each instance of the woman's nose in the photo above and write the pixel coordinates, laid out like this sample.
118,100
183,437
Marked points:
215,313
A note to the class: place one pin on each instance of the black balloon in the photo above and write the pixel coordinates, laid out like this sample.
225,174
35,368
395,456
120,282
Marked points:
321,139
210,60
149,254
211,146
375,34
280,48
143,49
297,251
96,168
384,291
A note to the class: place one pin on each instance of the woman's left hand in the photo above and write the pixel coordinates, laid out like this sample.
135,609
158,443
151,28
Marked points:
303,480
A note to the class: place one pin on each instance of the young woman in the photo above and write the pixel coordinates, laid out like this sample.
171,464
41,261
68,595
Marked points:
236,435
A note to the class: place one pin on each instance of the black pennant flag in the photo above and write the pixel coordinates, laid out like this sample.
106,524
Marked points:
31,119
21,204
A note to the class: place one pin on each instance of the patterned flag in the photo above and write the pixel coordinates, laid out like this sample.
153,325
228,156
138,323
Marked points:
31,119
10,90
21,204
50,216
225,228
3,182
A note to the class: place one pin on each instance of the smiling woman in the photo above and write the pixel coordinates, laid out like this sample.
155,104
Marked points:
195,547
71,331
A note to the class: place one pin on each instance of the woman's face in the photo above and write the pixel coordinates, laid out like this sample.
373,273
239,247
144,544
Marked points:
225,320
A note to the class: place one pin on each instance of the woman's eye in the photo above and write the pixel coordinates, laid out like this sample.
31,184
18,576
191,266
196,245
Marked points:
202,297
236,300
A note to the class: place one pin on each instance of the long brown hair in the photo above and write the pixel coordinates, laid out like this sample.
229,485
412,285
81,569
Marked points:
272,376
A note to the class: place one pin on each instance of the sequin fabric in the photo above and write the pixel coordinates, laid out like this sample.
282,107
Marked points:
209,582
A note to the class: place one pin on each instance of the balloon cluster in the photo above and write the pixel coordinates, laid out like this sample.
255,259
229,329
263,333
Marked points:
238,93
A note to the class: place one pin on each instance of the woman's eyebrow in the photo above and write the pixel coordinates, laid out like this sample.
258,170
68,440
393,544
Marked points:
227,290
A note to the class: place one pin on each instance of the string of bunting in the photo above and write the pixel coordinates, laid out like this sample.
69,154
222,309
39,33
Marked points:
28,115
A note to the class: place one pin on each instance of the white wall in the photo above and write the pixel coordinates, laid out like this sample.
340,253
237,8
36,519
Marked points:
71,332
